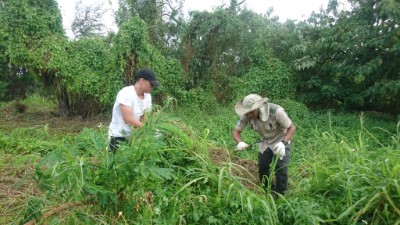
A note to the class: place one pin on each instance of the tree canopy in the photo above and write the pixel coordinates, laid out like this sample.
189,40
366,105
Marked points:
342,59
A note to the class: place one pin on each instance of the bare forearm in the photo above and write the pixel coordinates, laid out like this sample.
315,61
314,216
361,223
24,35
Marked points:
133,122
128,118
290,132
236,136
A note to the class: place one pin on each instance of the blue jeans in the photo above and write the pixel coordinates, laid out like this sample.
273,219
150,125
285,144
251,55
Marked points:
281,170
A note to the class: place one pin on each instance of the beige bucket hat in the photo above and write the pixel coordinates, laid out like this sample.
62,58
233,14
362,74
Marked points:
252,102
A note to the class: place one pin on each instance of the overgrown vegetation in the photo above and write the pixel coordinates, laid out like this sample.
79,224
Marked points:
343,59
344,170
182,167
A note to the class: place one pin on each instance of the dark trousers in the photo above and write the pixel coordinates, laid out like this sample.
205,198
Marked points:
114,142
265,161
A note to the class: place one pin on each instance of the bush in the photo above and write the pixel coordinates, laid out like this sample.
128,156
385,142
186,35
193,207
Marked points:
198,99
273,80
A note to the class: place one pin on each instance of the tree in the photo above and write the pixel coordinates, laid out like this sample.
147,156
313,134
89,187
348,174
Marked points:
87,22
357,56
220,48
35,40
164,19
132,51
89,77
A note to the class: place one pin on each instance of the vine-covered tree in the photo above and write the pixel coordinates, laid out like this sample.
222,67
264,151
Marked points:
133,51
219,49
164,19
89,76
34,41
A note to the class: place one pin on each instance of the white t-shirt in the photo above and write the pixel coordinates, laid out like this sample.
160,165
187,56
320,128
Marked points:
127,96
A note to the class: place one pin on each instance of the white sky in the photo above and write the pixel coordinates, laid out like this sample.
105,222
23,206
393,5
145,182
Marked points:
285,9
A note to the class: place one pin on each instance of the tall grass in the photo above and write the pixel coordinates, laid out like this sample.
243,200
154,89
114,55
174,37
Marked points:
153,179
344,170
349,179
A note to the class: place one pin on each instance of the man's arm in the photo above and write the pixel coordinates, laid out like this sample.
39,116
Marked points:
289,133
126,112
283,119
240,144
236,136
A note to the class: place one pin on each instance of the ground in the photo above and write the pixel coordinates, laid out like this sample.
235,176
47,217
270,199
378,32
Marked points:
16,170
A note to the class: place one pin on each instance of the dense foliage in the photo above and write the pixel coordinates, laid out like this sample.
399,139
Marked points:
344,59
344,170
350,58
87,73
345,167
34,41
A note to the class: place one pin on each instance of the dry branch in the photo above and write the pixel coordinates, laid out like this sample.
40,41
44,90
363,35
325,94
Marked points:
56,211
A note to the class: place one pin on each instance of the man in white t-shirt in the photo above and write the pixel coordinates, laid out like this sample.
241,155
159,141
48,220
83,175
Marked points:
130,105
276,129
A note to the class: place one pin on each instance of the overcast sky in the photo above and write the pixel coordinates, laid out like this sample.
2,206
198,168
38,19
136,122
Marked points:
285,9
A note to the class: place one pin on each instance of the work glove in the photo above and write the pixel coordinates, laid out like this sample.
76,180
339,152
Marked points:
279,150
158,135
242,146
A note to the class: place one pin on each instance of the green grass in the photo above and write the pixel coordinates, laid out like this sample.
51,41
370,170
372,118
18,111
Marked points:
344,170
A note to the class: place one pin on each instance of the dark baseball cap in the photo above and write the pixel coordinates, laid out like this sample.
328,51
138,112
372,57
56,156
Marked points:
147,74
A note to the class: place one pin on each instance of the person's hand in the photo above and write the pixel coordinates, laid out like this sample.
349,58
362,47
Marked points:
279,150
242,146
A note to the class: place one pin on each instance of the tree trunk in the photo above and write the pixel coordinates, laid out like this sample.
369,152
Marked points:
63,102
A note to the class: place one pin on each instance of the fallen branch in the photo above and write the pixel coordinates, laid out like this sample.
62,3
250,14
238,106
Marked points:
56,211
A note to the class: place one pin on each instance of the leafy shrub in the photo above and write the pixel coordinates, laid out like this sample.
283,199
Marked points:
273,80
296,110
198,98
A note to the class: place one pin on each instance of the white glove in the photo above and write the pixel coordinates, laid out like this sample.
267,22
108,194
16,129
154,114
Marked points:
242,146
158,134
279,150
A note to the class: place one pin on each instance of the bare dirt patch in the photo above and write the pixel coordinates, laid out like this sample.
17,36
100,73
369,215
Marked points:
245,169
